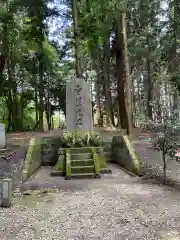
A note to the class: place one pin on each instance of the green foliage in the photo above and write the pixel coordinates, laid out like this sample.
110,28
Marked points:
69,140
167,138
28,120
167,141
33,61
175,80
62,125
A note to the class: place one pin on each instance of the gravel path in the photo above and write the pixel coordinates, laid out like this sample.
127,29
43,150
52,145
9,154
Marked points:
114,207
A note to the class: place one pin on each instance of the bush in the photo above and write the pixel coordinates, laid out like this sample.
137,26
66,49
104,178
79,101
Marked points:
80,140
167,138
168,141
62,125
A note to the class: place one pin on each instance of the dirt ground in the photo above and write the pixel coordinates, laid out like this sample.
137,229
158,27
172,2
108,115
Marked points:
22,138
117,207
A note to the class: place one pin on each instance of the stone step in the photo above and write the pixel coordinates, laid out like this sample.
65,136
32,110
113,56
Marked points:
81,156
107,153
107,148
82,169
84,175
81,150
87,162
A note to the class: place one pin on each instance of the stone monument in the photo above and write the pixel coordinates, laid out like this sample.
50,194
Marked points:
2,136
6,193
78,106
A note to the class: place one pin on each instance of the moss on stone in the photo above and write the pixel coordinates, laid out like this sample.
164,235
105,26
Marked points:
132,154
96,161
68,163
33,159
102,162
60,165
124,155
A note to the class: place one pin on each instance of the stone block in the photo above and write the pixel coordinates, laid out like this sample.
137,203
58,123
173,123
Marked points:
2,136
124,155
6,193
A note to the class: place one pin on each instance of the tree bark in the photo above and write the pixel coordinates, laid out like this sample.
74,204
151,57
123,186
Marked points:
123,73
127,75
98,103
41,88
150,88
79,71
107,90
41,94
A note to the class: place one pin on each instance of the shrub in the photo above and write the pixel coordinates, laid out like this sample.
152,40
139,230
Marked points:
62,125
95,140
80,140
167,138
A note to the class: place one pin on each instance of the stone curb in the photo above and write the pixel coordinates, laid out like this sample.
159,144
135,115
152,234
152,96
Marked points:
132,164
132,153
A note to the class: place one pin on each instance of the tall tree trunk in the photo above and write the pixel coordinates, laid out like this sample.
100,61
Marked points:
127,75
98,104
41,89
48,106
123,74
75,13
107,90
120,71
174,10
150,88
22,109
36,108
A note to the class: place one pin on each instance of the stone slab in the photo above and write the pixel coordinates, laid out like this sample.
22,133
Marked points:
2,136
6,193
78,106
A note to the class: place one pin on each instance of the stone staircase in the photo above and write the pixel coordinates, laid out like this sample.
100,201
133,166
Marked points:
85,162
82,164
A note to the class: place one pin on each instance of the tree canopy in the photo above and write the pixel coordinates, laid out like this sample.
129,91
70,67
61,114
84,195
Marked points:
127,50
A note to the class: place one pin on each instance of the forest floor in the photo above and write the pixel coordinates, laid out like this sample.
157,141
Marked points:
115,207
22,138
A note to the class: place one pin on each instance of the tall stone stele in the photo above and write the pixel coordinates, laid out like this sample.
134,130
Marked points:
78,106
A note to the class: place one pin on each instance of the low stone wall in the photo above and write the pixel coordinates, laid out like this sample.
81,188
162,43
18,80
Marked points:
124,155
49,149
33,159
41,152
